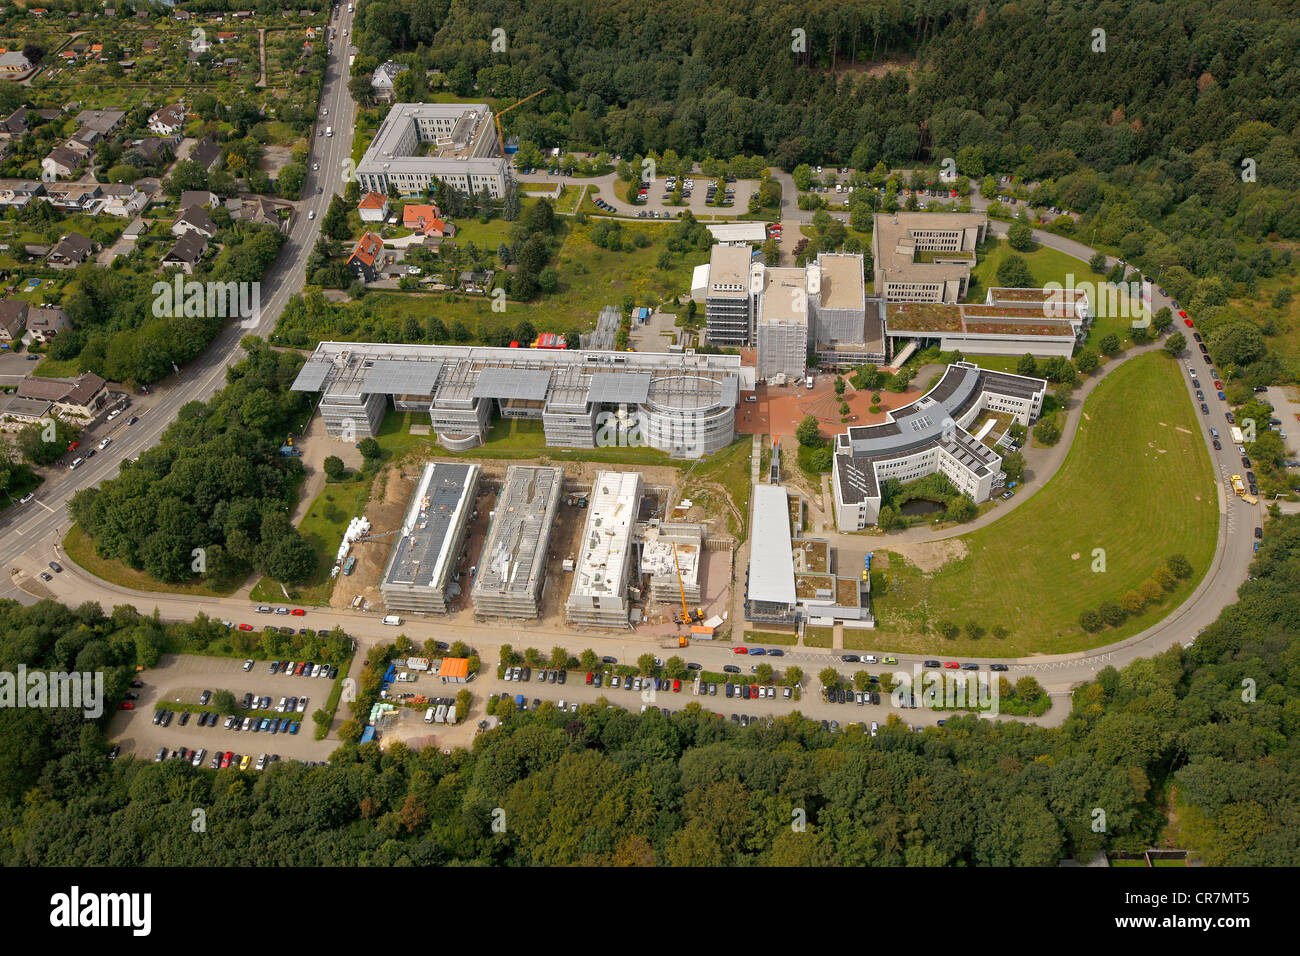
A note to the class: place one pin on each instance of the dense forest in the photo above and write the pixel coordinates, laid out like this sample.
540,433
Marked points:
214,482
1205,736
1176,134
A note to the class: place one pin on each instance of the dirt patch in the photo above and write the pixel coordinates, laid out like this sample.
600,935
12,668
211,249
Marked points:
384,515
930,556
274,158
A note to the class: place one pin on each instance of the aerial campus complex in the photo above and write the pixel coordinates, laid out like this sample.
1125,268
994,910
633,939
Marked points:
681,404
419,144
922,264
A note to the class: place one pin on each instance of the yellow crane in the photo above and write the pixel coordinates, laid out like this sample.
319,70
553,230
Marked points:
496,117
688,617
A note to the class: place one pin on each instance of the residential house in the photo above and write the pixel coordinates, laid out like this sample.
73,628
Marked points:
46,322
367,258
476,282
13,319
15,411
105,121
186,253
194,219
77,397
15,124
169,120
149,46
13,63
197,197
122,200
74,197
156,151
225,35
135,230
373,207
70,251
84,140
206,153
19,192
382,80
62,163
426,220
254,209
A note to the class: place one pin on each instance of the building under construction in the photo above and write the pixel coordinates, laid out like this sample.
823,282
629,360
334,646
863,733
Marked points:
420,575
667,548
599,597
512,566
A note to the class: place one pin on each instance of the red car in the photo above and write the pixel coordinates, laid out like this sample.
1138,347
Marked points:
740,650
126,705
1188,322
74,446
589,675
1218,384
245,627
1182,314
951,665
677,686
297,671
297,612
228,756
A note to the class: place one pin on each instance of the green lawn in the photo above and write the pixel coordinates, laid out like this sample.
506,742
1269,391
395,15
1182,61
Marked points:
729,470
1137,484
771,637
323,527
818,636
1049,265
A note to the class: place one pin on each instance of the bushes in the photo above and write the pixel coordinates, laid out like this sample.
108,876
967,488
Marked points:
1136,600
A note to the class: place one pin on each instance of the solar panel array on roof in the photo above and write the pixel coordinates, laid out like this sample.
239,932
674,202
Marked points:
630,387
311,376
525,383
402,377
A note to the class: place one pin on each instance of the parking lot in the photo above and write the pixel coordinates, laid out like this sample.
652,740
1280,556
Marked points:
181,679
737,709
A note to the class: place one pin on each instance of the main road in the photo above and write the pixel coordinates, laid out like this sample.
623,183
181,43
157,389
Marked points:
36,527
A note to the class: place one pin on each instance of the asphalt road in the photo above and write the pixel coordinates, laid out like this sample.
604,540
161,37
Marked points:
38,526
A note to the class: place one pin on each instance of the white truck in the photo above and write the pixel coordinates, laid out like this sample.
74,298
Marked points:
1237,437
393,620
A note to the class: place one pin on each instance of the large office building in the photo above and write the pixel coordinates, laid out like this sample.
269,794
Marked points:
683,404
1041,322
923,256
421,143
769,585
602,573
781,320
512,565
728,312
930,435
420,574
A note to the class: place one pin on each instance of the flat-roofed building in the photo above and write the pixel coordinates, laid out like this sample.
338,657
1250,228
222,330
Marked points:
512,565
420,574
1012,327
419,144
671,553
925,257
781,320
728,311
769,589
602,574
683,404
928,436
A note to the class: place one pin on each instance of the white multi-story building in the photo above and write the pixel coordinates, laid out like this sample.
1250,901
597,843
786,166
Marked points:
419,144
599,596
781,319
925,257
930,436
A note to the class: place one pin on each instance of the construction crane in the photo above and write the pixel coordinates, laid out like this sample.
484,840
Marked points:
688,617
496,117
381,534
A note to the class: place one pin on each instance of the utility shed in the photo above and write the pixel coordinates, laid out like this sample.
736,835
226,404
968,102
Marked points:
512,566
599,597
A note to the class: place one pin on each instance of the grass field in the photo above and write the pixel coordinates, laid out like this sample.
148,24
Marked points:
729,470
323,528
80,550
1048,265
1137,484
818,636
771,637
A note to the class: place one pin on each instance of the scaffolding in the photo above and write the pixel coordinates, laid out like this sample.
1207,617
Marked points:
513,563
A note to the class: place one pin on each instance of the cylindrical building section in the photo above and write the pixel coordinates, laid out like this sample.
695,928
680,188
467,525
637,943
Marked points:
687,415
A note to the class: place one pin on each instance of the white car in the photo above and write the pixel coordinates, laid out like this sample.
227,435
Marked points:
326,110
302,705
315,165
869,659
315,670
27,497
312,214
508,674
105,443
874,727
279,708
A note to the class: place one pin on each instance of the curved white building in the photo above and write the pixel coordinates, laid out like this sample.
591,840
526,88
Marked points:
930,436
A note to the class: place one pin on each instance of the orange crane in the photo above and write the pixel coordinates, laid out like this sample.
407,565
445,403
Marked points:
688,617
496,117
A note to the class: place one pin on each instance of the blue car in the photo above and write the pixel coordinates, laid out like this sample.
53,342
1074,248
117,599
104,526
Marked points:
756,652
293,727
275,726
776,652
266,723
1222,397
